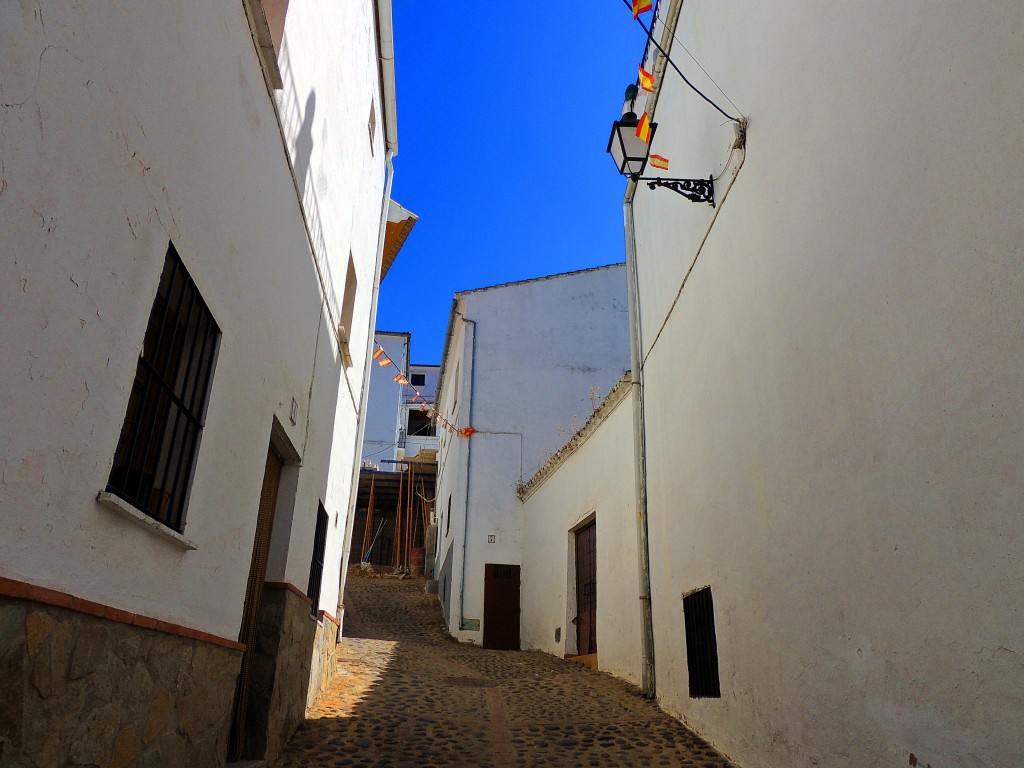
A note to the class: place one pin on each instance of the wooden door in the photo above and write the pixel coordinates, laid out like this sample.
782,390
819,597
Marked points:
501,607
586,589
253,601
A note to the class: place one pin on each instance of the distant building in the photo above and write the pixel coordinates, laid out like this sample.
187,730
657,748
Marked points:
191,198
524,365
400,447
398,423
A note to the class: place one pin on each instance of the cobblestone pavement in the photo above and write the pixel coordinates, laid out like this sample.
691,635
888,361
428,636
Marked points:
409,695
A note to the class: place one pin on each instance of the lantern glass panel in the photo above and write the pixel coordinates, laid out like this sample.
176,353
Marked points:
627,149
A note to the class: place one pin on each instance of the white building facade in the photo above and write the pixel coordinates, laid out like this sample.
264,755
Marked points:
524,364
192,205
397,424
833,388
384,407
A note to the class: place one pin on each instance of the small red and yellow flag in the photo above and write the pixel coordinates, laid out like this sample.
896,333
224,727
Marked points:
384,362
659,162
643,128
416,397
641,6
400,378
379,351
467,431
423,406
646,80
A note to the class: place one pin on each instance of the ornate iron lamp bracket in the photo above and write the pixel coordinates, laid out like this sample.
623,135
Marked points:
696,190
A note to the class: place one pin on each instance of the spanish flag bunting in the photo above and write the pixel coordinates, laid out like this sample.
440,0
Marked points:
643,128
641,6
384,362
646,80
400,378
467,431
416,397
379,351
423,406
659,162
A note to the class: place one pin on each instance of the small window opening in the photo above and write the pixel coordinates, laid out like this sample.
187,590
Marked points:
420,425
417,379
701,645
347,312
371,125
448,525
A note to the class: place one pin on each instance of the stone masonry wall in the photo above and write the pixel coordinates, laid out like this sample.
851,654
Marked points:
76,690
325,652
285,655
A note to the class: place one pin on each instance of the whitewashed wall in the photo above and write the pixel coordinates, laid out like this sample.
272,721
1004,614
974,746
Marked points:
451,473
329,58
123,126
594,482
430,376
540,346
384,407
835,407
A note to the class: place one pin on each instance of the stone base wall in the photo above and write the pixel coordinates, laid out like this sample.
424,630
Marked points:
325,655
288,635
77,690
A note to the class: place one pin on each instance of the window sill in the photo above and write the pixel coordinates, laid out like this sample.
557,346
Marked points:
121,507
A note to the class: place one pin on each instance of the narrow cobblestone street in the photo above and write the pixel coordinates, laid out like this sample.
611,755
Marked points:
409,695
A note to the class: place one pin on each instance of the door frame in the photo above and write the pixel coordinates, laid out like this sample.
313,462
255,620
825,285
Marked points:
489,569
570,647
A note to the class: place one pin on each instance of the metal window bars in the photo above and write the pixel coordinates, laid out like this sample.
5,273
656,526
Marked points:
316,566
156,452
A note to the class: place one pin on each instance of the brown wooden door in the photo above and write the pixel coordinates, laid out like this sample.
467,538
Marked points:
501,607
586,589
253,601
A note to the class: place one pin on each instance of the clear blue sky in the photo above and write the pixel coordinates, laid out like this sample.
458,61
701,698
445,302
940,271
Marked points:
504,112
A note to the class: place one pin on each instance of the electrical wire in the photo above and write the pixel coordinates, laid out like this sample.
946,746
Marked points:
386,447
689,271
687,50
695,89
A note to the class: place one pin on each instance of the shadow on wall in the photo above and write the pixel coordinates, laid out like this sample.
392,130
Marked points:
304,142
298,122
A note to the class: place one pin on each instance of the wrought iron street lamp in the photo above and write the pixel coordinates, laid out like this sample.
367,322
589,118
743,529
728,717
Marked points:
630,154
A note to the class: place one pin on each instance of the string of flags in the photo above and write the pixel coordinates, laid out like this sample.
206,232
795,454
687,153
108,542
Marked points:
646,81
402,380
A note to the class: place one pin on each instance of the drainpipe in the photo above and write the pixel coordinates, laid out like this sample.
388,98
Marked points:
647,672
469,475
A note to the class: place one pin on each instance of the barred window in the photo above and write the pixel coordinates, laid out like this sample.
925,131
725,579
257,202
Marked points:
316,567
156,452
701,645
